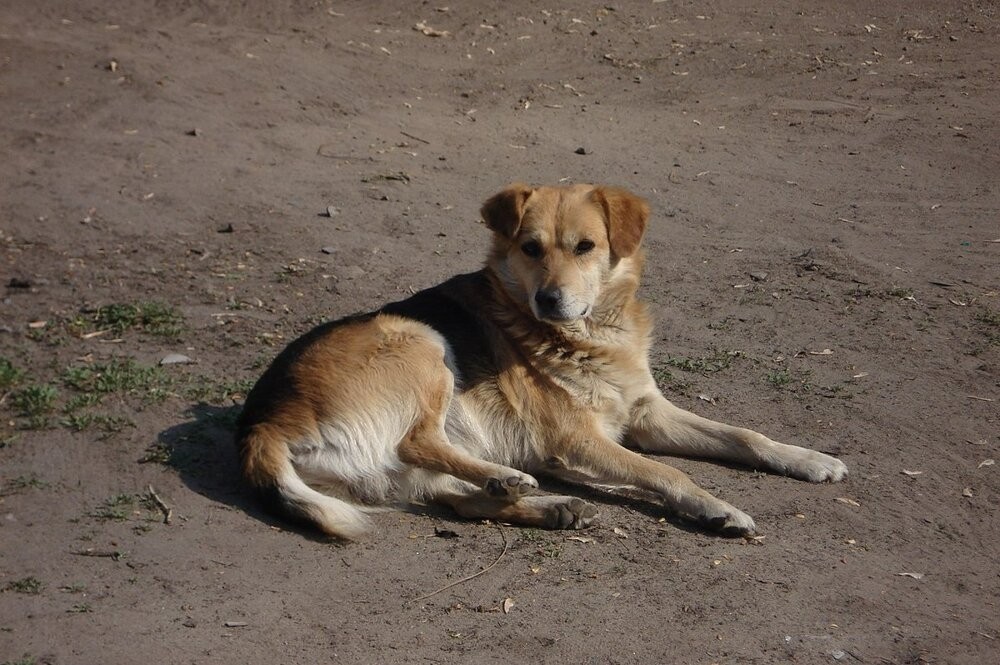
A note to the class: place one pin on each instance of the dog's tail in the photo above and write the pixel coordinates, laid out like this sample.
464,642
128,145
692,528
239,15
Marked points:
266,465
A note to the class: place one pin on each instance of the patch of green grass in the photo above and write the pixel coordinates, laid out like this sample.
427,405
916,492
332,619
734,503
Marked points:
22,483
124,507
990,321
725,324
82,401
779,378
152,317
108,425
119,376
117,508
158,453
551,550
48,334
716,362
988,317
666,380
9,375
26,659
204,389
900,292
74,588
35,403
80,608
28,585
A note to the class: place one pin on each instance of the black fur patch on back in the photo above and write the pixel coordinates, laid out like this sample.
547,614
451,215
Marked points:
464,330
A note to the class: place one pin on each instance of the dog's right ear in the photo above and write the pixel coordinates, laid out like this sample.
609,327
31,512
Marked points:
502,212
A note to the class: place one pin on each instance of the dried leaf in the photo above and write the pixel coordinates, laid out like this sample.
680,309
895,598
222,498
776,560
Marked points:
986,462
916,576
580,539
912,473
967,492
535,569
850,502
620,532
706,398
429,31
507,604
235,624
824,352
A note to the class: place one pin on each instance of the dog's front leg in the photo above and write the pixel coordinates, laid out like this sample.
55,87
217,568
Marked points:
659,426
603,461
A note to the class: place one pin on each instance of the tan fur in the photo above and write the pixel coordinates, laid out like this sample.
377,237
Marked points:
535,365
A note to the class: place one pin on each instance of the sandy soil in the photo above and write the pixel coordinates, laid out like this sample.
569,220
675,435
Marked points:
823,264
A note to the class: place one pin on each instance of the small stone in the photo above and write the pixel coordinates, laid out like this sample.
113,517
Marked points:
758,276
175,359
193,132
189,623
581,151
328,250
332,212
228,228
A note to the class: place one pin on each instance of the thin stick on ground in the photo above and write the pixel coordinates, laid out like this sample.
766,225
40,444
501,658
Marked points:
104,554
167,511
474,575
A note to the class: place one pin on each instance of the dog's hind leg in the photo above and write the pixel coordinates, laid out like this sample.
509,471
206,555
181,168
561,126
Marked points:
426,446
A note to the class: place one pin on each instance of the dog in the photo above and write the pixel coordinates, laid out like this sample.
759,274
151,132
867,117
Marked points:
536,365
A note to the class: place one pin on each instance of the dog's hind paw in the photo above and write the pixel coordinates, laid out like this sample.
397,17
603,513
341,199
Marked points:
511,487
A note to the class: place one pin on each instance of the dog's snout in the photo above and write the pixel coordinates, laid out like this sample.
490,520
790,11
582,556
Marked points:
548,299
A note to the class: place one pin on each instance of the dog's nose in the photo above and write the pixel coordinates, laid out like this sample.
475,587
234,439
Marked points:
548,299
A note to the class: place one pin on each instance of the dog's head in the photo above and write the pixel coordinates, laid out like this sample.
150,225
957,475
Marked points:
556,249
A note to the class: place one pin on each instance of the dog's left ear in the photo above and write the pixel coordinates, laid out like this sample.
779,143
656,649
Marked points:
502,212
626,215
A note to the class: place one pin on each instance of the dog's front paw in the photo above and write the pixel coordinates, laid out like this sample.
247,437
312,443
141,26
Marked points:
512,486
573,513
813,466
729,521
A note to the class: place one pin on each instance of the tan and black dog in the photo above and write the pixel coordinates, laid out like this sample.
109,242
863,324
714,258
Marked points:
536,364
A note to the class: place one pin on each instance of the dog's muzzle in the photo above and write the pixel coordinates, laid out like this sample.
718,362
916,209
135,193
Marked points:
552,305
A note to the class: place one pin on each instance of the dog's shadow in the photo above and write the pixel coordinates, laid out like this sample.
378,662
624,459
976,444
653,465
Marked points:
202,450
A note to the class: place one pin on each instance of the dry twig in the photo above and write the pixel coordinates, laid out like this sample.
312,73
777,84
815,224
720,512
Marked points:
167,511
474,575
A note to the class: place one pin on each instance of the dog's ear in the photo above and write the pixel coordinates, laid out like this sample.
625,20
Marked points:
626,215
502,212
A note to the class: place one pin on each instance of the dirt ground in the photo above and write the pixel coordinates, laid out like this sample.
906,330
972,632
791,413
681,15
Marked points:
211,179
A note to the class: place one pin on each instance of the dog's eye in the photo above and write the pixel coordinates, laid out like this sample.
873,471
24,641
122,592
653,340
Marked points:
583,247
532,249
